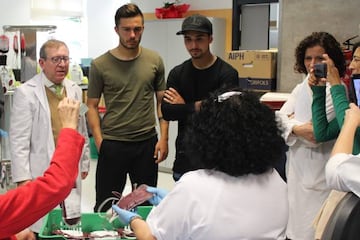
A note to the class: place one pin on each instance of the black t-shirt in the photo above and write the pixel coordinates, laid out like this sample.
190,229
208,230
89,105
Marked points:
194,85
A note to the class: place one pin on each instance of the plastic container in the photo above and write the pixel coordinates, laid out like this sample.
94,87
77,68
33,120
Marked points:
89,222
93,149
102,111
5,146
76,74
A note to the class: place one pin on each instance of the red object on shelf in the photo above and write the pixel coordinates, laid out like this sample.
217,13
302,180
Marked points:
15,44
347,76
22,43
274,100
4,44
174,11
274,105
102,109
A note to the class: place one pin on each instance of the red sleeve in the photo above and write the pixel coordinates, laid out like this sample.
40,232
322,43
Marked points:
21,207
13,237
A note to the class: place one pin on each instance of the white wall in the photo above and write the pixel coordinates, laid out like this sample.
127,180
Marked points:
149,6
100,17
339,19
101,33
14,15
16,12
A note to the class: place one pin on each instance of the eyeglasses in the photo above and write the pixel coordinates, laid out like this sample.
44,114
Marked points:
58,59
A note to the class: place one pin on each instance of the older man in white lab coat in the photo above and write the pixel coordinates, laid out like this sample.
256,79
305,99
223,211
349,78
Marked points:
34,125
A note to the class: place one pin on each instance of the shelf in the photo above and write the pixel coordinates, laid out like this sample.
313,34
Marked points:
40,28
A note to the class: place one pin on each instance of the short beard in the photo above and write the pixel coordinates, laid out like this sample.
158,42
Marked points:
127,47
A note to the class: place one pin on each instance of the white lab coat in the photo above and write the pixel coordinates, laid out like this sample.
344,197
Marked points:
31,137
307,189
214,205
342,173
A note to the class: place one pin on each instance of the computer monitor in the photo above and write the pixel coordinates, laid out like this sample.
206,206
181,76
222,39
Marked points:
355,81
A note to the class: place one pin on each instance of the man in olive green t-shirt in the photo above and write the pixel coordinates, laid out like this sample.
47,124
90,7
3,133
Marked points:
128,76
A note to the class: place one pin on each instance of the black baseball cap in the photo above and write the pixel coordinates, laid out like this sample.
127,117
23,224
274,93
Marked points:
197,23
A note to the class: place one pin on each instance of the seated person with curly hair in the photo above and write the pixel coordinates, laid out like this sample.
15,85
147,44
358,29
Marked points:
236,193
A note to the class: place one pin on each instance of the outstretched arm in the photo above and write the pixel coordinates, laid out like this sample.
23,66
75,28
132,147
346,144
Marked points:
345,140
138,225
21,207
342,168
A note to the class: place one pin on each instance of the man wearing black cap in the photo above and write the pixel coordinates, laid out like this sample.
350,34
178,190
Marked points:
192,81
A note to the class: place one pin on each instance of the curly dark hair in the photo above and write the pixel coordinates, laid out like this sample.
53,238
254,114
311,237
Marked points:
331,46
237,136
355,46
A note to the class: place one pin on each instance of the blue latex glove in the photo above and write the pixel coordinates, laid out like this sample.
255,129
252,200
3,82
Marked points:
159,194
125,216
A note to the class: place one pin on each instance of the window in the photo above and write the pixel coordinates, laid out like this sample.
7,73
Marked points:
69,18
261,13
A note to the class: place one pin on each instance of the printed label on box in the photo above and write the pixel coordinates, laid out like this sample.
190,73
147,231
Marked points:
253,63
257,84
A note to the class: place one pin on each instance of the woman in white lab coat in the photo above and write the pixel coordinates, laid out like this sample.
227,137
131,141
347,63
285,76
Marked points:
236,193
306,159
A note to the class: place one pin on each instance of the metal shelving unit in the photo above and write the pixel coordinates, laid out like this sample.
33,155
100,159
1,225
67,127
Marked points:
5,163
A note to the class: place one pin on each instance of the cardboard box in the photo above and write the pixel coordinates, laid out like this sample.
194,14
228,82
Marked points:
261,84
256,68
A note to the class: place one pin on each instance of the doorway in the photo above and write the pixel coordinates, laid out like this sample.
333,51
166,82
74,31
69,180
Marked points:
255,24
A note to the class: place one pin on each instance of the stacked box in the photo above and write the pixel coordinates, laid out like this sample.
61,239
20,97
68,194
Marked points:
257,68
